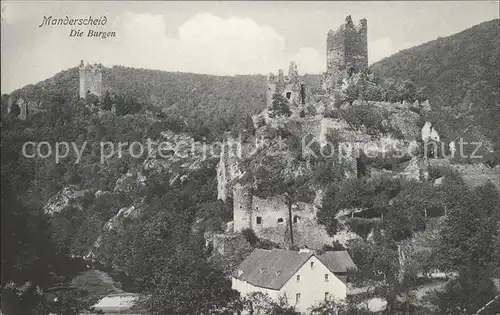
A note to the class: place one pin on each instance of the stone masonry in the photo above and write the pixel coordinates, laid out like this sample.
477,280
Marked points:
269,219
289,86
90,79
346,52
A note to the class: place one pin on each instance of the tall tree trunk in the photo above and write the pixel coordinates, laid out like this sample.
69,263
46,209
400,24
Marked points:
290,219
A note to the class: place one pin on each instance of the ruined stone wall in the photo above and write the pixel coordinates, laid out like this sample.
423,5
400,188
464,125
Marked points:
289,86
271,221
242,208
229,244
306,229
228,168
23,109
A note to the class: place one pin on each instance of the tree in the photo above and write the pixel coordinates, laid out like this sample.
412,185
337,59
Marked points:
107,103
257,303
249,126
27,274
188,285
348,307
279,106
468,231
466,294
15,110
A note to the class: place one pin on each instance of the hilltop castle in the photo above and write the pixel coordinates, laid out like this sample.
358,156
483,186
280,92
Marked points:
90,79
346,55
347,62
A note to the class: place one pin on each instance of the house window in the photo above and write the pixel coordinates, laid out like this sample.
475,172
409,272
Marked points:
259,220
326,277
298,278
288,95
280,220
327,296
312,264
297,298
295,218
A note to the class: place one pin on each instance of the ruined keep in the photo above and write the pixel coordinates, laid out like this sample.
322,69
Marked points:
269,219
90,79
346,53
289,86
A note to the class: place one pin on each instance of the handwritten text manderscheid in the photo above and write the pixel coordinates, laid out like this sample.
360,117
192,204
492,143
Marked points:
90,21
50,21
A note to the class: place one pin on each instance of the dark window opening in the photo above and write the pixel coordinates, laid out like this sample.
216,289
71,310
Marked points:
302,94
350,72
297,298
296,218
259,220
361,168
288,95
280,220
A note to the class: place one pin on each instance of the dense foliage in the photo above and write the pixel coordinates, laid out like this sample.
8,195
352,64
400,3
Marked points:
36,247
459,75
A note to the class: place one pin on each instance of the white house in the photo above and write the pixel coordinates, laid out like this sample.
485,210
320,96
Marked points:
302,277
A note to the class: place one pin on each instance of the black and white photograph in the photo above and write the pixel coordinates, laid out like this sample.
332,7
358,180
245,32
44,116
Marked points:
250,157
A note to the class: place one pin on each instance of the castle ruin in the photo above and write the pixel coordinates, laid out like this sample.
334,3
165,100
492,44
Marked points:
289,86
346,53
347,59
90,79
269,219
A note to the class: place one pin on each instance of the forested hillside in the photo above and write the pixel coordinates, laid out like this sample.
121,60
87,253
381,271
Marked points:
211,103
459,75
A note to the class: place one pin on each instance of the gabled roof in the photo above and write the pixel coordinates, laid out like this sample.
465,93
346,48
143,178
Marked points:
338,261
270,268
273,268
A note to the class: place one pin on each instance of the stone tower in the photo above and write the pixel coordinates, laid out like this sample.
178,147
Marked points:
289,86
23,111
242,208
90,79
346,52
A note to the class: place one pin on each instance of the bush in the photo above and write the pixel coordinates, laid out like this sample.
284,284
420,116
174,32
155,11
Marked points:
279,106
362,226
250,236
331,113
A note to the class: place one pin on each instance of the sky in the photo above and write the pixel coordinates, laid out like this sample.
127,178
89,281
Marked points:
223,38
